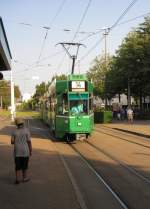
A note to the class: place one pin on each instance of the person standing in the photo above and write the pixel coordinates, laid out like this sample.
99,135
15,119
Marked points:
130,115
22,150
122,113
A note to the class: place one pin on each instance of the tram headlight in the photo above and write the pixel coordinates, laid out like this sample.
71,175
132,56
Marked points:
79,123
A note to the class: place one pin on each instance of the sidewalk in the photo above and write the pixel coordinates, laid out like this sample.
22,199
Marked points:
141,128
49,188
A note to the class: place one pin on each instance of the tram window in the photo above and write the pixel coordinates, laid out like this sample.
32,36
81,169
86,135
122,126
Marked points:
60,109
78,106
65,104
90,105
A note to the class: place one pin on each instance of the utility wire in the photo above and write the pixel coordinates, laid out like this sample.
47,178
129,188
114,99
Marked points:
91,49
123,14
91,34
134,18
88,36
47,29
110,28
77,30
85,38
35,63
82,19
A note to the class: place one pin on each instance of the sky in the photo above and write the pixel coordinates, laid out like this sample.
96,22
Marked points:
36,57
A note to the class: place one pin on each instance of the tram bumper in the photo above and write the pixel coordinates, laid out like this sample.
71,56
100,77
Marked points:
81,124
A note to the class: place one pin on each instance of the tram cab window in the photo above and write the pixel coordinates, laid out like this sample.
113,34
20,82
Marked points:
78,106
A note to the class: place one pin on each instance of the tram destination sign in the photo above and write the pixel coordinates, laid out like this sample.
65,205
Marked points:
78,86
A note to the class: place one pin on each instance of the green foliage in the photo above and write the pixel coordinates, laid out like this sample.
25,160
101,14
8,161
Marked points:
103,117
28,114
5,113
17,92
132,64
97,74
5,93
61,77
41,89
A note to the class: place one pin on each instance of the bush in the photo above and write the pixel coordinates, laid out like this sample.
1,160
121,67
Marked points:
103,116
142,115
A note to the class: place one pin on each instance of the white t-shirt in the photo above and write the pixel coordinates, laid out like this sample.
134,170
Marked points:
21,137
130,112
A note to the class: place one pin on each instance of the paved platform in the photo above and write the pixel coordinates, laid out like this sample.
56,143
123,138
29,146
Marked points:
141,128
49,188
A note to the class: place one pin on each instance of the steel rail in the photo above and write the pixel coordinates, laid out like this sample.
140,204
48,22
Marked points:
124,139
128,133
115,195
129,168
79,196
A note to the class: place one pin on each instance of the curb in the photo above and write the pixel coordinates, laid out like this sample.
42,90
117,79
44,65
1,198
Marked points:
133,132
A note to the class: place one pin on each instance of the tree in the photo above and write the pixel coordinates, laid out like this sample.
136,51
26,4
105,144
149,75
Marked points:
131,65
17,92
42,88
97,73
39,92
5,93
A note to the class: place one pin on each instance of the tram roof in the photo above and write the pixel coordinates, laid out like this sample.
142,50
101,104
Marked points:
77,77
5,54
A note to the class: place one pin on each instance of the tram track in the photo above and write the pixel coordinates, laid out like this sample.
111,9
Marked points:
101,179
112,183
127,132
115,133
79,194
129,168
126,163
113,186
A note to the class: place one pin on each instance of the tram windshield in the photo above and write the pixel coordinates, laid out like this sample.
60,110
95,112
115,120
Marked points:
78,107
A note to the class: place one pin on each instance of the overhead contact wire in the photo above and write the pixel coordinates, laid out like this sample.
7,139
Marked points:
47,30
110,28
77,30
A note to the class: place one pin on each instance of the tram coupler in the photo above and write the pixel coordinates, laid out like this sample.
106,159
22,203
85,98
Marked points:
81,137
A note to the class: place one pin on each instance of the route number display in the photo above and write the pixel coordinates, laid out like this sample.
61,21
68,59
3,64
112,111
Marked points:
78,85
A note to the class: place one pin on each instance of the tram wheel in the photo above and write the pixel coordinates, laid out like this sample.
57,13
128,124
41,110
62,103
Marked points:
53,132
68,140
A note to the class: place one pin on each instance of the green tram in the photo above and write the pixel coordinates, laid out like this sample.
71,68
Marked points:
68,107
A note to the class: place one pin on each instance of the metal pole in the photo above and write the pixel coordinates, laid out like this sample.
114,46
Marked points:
12,98
129,94
105,35
73,64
